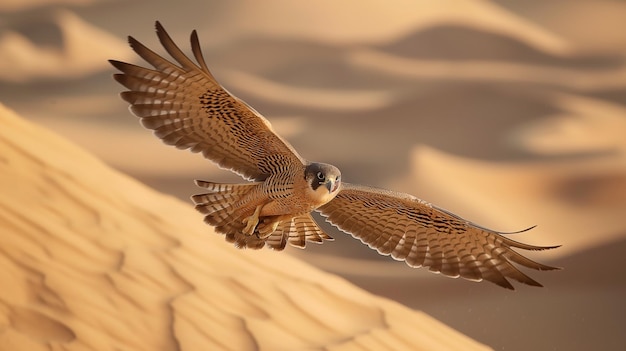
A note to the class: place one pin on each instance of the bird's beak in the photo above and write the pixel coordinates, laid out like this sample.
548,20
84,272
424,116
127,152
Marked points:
331,185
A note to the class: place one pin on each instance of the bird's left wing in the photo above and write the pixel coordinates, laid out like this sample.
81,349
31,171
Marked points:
414,231
186,107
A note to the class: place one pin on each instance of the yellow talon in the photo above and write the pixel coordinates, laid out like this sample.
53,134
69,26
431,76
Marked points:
252,221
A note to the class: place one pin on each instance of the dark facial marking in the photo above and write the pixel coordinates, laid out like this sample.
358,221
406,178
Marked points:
318,173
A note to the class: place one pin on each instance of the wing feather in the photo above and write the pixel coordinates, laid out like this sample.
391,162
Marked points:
423,235
186,107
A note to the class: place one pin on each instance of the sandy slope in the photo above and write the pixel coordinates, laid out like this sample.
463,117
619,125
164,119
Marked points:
91,259
510,113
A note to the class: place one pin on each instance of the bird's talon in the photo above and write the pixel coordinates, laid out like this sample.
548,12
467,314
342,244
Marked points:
251,222
250,225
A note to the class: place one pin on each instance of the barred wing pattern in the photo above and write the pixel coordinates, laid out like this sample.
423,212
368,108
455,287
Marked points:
186,107
414,231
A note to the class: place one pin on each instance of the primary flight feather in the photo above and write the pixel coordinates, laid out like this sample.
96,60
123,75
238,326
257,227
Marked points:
186,107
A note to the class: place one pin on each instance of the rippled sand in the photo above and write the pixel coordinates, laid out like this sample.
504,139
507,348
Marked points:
510,114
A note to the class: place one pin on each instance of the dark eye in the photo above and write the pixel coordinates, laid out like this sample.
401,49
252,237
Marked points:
320,175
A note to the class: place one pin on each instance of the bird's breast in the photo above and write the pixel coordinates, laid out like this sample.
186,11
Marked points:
320,196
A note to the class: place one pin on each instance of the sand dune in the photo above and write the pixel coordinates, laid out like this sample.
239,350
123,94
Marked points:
491,71
510,113
338,100
564,18
82,50
91,259
372,21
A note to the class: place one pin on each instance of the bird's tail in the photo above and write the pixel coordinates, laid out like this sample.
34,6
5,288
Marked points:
226,205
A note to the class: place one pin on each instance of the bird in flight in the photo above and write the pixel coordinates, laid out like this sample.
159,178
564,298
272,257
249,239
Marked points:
186,107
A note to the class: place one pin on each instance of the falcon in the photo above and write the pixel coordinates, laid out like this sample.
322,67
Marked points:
186,107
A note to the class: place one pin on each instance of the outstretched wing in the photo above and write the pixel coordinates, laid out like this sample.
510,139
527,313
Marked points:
186,107
414,231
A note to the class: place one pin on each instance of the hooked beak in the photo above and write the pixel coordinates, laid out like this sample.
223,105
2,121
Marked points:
331,185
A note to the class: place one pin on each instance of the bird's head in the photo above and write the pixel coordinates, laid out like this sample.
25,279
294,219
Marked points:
324,180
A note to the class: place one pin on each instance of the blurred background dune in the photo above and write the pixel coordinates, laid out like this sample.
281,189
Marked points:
508,113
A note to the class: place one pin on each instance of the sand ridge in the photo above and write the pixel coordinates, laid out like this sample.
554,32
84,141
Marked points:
509,113
92,259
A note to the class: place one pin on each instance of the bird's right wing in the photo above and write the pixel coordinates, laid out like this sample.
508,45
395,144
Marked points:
186,107
414,231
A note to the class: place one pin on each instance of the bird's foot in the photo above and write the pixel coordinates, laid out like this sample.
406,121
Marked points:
252,221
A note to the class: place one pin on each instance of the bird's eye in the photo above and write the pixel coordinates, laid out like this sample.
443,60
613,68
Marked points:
320,176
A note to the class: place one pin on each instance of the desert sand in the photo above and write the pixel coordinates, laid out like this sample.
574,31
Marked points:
508,113
94,260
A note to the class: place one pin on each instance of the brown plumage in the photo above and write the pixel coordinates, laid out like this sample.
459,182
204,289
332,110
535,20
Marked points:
186,107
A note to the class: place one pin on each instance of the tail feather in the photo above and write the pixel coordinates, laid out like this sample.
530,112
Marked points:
297,232
224,207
